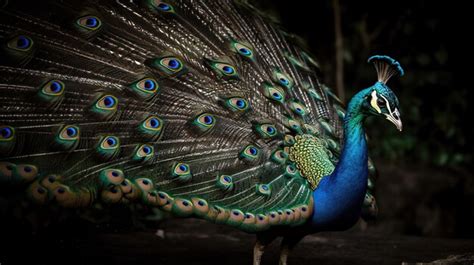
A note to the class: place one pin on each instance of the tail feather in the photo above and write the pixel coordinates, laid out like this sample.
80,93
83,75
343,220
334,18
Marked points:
183,105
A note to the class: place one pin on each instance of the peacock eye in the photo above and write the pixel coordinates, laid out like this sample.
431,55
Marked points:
20,43
109,142
225,69
153,123
143,152
263,189
106,102
53,88
298,108
69,132
181,169
224,182
283,79
162,6
249,153
152,127
279,156
244,50
237,104
168,65
222,69
273,93
381,102
266,130
6,132
293,125
89,22
146,87
173,64
204,122
108,147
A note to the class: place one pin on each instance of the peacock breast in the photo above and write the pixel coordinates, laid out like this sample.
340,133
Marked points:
312,158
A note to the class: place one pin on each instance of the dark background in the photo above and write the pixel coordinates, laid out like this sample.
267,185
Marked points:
426,186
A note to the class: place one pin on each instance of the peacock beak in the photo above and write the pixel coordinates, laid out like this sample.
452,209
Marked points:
394,117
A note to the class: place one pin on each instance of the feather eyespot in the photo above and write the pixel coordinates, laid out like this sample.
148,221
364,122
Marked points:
291,171
110,142
173,64
105,106
293,125
243,50
53,88
161,6
89,22
111,177
152,126
26,172
263,189
153,123
182,171
237,104
69,132
7,133
201,207
144,184
107,102
223,69
145,87
20,43
144,153
165,7
225,183
298,108
250,153
236,217
108,147
168,65
279,156
283,79
204,122
273,93
68,137
266,130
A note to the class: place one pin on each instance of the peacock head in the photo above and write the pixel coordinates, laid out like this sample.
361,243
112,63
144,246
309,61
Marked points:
380,99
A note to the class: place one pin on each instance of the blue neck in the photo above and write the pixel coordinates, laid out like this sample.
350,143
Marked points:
339,196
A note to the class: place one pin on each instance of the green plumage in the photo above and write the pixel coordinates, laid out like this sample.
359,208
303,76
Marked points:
166,105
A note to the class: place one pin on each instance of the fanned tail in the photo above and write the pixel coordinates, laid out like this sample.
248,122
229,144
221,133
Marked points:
189,106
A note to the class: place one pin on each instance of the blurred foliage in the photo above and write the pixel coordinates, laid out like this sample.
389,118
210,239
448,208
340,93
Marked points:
420,34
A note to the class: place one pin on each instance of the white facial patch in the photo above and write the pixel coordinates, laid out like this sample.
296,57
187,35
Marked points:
373,102
388,107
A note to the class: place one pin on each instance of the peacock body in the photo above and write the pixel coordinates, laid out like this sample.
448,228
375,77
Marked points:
199,108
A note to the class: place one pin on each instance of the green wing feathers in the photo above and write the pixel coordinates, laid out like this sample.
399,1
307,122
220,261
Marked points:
161,103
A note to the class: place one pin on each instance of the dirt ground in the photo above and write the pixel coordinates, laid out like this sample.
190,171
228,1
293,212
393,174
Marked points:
194,242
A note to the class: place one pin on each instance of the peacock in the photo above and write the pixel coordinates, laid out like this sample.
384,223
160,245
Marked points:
203,109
